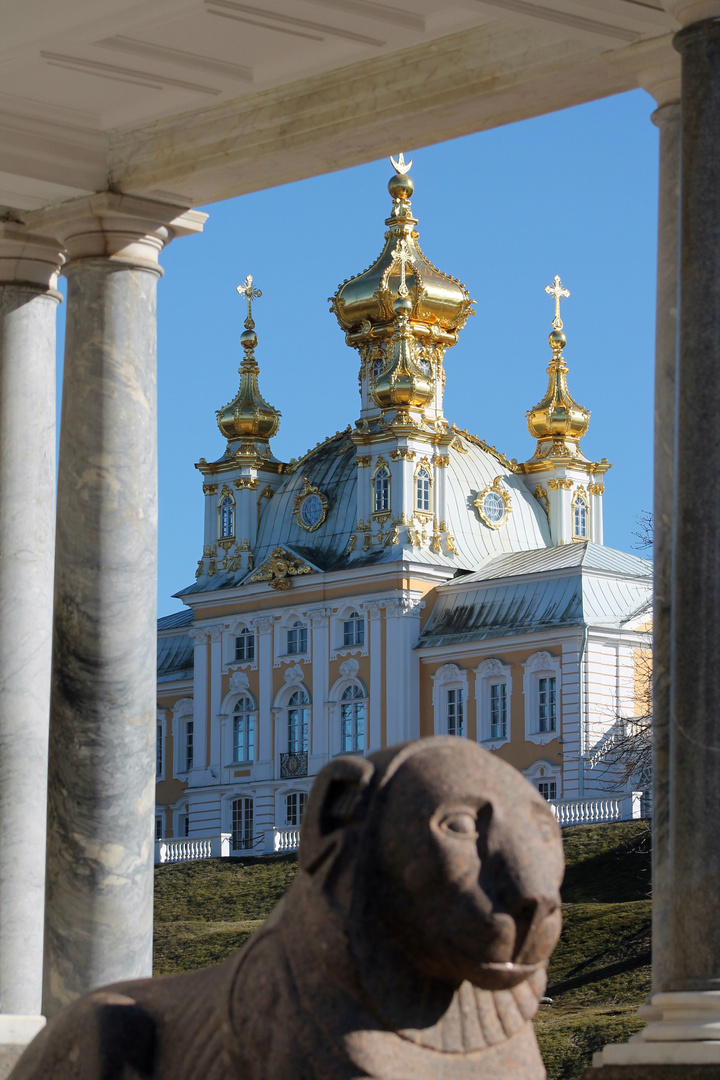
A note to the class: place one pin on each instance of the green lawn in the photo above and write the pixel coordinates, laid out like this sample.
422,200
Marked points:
599,973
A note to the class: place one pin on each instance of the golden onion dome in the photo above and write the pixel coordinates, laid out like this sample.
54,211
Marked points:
440,304
248,416
403,383
557,419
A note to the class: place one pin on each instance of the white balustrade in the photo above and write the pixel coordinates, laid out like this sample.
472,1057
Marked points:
287,839
596,811
192,847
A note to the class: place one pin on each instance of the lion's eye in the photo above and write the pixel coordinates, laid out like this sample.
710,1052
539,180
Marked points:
460,823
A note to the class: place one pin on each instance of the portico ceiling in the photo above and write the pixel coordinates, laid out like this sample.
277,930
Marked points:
191,101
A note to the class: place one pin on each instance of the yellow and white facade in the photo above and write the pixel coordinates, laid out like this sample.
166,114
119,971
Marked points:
401,578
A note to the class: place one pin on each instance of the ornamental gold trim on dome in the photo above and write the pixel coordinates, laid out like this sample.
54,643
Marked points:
309,491
278,568
496,488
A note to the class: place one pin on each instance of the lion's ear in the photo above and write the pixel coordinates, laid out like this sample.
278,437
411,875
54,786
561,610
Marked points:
336,802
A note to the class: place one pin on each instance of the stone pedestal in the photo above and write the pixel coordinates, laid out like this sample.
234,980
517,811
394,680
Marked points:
28,303
98,925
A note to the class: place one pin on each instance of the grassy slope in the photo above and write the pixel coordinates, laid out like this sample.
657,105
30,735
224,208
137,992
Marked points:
599,973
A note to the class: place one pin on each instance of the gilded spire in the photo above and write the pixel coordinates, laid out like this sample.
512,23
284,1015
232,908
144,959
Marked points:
557,422
249,416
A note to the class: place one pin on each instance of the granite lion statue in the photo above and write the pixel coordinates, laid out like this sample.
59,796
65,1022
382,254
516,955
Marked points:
413,944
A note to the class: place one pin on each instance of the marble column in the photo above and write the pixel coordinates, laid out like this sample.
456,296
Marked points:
98,924
28,302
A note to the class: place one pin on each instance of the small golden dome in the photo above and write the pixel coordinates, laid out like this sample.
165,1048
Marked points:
558,419
440,304
248,416
403,384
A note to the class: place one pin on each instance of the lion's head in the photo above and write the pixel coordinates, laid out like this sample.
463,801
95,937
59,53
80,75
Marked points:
445,865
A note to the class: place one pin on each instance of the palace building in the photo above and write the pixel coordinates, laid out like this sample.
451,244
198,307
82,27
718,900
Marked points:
403,578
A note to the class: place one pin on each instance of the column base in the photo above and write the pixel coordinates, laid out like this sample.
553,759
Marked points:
15,1034
683,1030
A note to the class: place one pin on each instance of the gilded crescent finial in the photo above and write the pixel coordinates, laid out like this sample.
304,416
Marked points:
399,166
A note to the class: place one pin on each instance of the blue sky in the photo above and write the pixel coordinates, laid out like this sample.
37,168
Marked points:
573,193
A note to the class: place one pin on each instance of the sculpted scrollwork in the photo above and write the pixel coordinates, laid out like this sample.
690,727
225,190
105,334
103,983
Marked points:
279,567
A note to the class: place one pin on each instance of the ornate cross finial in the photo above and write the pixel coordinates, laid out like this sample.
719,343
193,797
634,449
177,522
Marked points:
399,166
557,290
250,294
402,256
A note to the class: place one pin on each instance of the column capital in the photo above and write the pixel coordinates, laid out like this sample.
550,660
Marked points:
27,258
121,228
688,12
654,64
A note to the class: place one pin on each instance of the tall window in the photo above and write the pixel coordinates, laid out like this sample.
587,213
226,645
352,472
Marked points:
159,828
159,749
548,789
352,719
354,629
227,517
298,714
183,824
498,710
243,731
455,712
547,703
188,747
377,366
580,514
381,489
245,645
242,824
297,638
295,804
422,490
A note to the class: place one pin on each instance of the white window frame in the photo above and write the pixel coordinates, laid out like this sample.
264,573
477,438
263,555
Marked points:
337,631
580,496
160,821
160,745
449,677
248,636
244,797
381,465
183,711
181,816
353,685
226,498
541,665
544,771
489,673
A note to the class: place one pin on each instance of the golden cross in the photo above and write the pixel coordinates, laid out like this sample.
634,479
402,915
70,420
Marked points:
402,255
557,290
250,294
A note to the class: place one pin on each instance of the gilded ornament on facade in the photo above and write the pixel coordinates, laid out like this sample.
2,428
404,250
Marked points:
493,504
596,489
352,544
210,489
363,461
542,496
279,567
246,482
562,482
310,507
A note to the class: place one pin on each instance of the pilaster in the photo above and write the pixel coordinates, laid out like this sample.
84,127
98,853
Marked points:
264,630
402,629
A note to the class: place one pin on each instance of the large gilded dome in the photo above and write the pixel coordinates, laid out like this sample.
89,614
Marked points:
440,304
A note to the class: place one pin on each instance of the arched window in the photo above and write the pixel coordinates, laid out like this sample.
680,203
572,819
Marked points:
298,714
377,366
297,638
352,719
295,804
354,629
381,490
159,748
580,515
227,517
245,645
244,731
242,824
422,490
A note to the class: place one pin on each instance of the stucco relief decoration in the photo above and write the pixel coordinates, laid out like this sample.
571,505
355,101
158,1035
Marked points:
279,568
183,707
349,668
490,667
293,674
239,682
447,673
540,661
